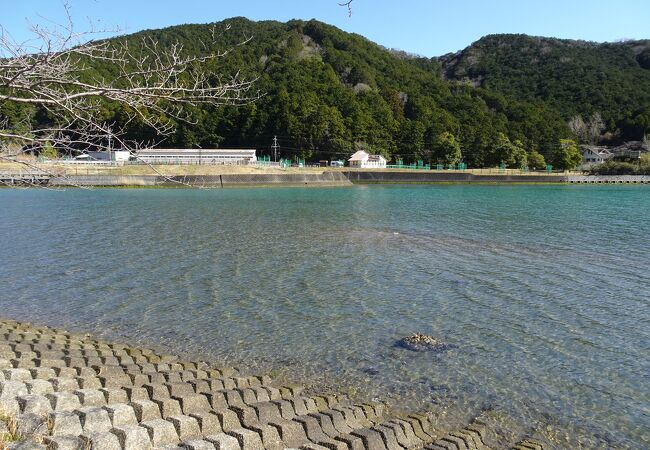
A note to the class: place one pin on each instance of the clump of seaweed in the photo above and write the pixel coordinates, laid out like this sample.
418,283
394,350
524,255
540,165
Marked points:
420,342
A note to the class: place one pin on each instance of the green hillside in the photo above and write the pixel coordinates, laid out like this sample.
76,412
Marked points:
327,92
573,77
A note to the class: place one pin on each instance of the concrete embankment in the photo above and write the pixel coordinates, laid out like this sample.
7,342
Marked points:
61,390
360,176
332,178
212,181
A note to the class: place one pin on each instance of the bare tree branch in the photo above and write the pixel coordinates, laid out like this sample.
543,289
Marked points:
348,4
154,84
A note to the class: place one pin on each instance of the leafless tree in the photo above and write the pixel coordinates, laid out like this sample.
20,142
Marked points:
155,84
646,142
588,131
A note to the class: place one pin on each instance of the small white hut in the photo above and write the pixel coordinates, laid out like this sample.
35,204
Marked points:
362,160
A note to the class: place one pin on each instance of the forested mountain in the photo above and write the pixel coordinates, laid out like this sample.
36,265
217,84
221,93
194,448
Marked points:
573,77
327,92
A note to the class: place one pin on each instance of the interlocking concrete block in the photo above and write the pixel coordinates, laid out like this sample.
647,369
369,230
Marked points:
247,439
270,436
17,374
62,423
89,382
114,396
299,406
100,441
63,443
326,424
410,431
228,419
200,386
193,404
222,441
5,363
198,445
12,389
138,379
286,409
64,384
405,439
94,420
156,377
115,381
9,406
157,390
217,400
338,420
145,410
248,395
132,437
388,436
466,442
34,404
417,429
72,361
90,397
215,384
136,393
180,389
31,425
312,429
169,407
247,415
109,371
352,442
121,414
65,372
42,373
208,423
161,432
290,432
24,363
371,439
51,363
64,401
186,427
39,387
267,411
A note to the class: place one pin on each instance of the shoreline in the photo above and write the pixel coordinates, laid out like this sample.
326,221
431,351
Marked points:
238,177
61,388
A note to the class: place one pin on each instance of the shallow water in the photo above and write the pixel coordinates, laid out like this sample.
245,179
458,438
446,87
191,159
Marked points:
543,292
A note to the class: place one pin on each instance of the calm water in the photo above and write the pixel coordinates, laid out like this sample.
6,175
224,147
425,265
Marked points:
543,291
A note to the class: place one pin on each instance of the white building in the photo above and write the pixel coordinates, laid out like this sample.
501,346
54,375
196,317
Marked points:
592,156
363,160
196,156
113,155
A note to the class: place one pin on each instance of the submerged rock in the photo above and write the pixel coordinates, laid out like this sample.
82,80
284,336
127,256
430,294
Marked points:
419,342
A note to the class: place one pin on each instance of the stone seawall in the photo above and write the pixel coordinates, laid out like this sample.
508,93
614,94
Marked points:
61,390
447,177
212,181
610,179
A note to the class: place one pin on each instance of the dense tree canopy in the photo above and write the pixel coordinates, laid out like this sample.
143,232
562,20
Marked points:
325,90
575,78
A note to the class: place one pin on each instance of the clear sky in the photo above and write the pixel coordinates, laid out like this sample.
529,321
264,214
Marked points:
425,27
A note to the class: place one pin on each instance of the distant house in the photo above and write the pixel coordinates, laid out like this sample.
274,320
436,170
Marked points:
592,155
362,160
196,156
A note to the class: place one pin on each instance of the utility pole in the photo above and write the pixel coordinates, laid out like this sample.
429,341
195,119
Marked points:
275,148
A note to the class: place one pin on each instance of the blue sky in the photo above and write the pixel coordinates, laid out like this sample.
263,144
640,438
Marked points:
425,27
